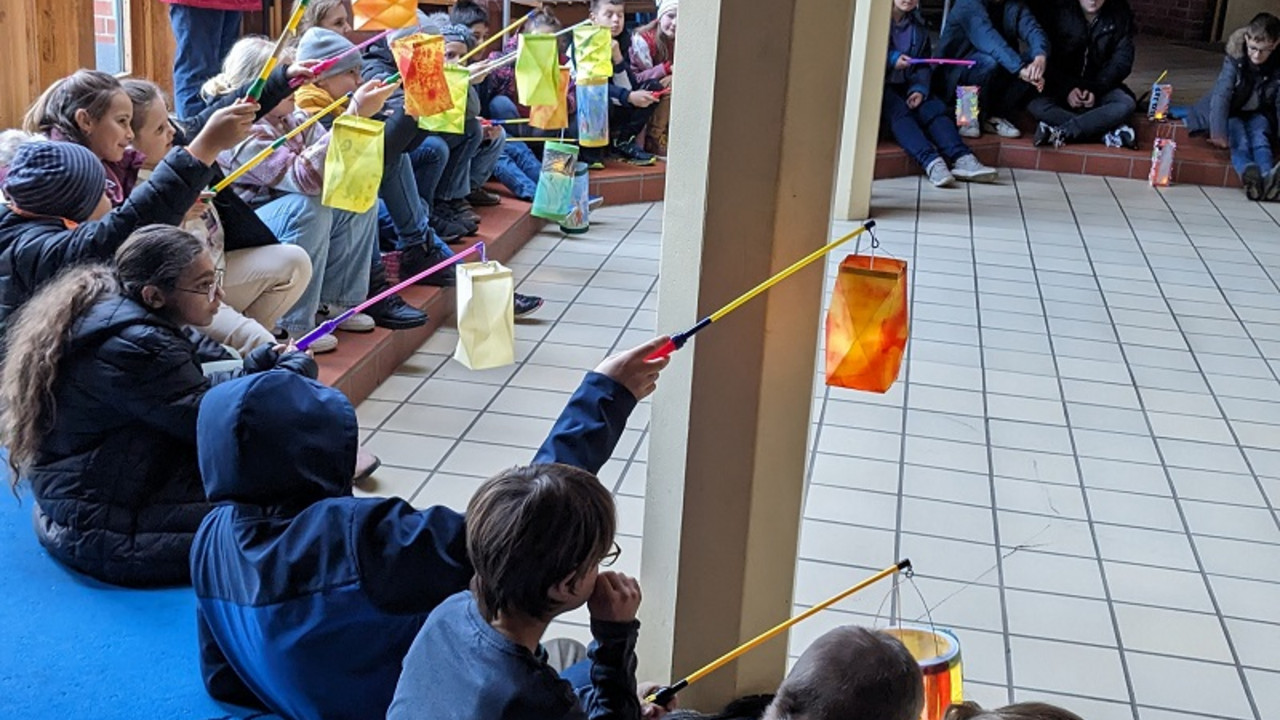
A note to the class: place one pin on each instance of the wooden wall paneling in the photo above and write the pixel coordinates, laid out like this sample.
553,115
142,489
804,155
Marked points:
46,41
149,45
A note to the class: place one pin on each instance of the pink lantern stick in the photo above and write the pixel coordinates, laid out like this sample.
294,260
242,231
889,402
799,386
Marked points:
942,61
323,66
329,326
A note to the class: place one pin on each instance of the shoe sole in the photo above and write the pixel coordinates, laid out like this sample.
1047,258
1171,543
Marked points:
982,177
944,183
401,325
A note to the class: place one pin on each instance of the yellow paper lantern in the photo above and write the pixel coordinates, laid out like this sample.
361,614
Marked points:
453,120
867,323
553,117
384,14
537,66
593,51
353,164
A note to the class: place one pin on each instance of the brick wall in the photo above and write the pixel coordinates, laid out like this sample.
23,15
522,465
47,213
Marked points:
1175,19
104,22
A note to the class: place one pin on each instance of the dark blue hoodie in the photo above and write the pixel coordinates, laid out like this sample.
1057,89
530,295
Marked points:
308,598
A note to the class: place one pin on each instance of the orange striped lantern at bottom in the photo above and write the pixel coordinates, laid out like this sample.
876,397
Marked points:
867,323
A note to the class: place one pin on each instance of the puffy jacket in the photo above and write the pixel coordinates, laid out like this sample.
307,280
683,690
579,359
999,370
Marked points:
234,5
308,598
118,493
34,250
1236,83
1097,56
918,77
994,27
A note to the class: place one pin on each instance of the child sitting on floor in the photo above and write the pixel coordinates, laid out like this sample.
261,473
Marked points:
309,598
262,276
653,50
922,124
630,102
536,537
285,190
1238,113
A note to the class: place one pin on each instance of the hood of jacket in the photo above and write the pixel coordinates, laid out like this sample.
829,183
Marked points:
110,316
276,438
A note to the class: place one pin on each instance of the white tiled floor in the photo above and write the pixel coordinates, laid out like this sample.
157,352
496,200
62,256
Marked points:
1081,455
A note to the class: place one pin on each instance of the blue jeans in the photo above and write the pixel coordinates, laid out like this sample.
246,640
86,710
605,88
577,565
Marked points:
399,192
1250,141
1000,91
486,158
456,181
429,161
518,169
203,38
925,132
339,244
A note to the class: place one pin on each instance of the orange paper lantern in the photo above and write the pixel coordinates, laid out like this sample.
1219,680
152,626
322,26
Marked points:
553,117
384,14
867,323
420,59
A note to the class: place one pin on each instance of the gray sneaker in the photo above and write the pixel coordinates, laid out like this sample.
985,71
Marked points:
971,131
1001,127
969,169
938,173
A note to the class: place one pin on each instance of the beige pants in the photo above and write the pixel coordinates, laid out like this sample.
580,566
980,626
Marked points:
260,286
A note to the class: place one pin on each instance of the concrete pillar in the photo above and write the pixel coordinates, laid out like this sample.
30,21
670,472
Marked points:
749,189
862,108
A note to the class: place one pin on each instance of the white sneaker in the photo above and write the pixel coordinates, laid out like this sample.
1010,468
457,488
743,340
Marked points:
970,169
324,344
938,173
971,131
1001,127
358,323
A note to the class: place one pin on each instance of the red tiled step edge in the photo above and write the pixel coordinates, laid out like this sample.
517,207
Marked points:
1195,161
364,360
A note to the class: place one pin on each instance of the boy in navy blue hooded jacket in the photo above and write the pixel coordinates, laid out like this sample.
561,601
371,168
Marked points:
991,33
308,598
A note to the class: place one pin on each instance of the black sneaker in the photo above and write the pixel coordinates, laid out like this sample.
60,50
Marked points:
446,221
1047,134
631,153
418,258
1252,178
527,304
1272,192
449,230
461,207
393,313
483,198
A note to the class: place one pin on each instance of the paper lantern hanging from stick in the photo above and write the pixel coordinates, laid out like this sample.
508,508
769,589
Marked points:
420,59
537,68
593,52
1158,107
353,164
384,14
867,323
967,106
453,120
593,112
553,117
486,316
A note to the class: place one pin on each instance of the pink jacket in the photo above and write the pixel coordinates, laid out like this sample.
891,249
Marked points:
236,5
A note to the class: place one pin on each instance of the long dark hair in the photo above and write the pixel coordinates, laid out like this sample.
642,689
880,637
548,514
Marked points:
55,109
154,255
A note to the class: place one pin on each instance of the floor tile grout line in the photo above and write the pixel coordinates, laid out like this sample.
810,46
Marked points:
521,364
1195,550
1071,437
896,601
986,429
1275,514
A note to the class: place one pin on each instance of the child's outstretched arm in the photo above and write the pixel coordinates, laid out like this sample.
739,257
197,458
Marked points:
592,422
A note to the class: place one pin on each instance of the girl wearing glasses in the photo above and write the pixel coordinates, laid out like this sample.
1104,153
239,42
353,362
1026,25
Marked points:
100,387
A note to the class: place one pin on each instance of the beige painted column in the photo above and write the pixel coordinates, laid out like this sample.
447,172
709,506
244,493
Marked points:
749,188
862,109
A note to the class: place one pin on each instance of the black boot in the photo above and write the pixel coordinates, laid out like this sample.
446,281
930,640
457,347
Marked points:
418,258
392,312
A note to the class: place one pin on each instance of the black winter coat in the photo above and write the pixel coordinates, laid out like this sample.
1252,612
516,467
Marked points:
1097,56
118,492
1236,83
34,250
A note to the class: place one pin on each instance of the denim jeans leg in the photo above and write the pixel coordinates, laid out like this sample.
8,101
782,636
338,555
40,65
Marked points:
353,246
400,194
456,182
301,220
198,56
1048,110
501,108
906,131
940,125
486,158
1241,148
509,174
429,161
523,157
1259,128
1108,113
